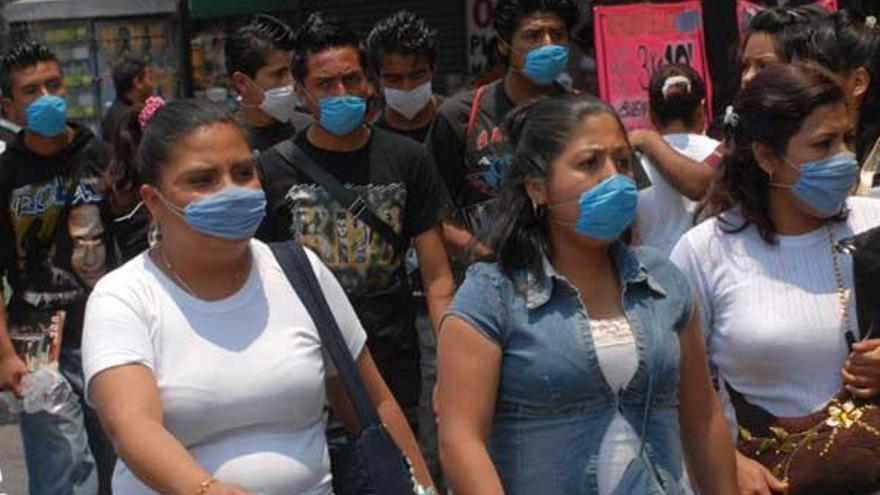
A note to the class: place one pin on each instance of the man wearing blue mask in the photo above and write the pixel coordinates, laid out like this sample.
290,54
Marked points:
359,196
402,51
52,167
258,62
466,139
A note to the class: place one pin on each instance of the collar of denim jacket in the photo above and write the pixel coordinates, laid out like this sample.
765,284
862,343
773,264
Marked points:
539,289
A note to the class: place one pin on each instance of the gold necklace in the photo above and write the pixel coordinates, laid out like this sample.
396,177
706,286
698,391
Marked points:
170,268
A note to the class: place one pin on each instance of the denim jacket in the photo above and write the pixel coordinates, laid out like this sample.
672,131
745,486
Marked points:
554,404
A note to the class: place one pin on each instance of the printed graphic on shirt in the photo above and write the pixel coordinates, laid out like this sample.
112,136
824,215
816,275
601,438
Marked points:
363,261
36,212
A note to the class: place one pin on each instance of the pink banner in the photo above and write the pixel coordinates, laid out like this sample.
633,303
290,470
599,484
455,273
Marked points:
746,10
633,41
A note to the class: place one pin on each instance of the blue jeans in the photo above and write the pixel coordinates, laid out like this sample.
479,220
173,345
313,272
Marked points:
427,434
57,446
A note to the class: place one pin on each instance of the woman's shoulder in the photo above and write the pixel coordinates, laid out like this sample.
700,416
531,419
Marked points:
130,279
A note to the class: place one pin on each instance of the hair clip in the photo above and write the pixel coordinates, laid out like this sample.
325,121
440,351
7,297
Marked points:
731,118
672,81
152,104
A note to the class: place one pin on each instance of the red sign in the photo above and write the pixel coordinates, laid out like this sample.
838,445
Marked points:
633,41
746,11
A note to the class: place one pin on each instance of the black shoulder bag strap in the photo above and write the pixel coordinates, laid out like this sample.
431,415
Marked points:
387,471
349,199
293,260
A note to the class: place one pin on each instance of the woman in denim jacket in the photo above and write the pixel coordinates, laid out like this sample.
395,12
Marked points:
574,364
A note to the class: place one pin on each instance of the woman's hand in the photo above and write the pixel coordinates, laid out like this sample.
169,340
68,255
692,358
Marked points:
861,373
755,479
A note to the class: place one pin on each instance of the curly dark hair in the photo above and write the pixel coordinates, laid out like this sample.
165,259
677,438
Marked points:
771,109
403,33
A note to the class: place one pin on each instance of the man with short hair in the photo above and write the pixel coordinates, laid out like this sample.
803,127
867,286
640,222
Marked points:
401,199
258,62
402,52
466,139
133,83
50,203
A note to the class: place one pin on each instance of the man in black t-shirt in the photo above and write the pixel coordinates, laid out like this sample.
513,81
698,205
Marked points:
258,62
402,53
466,139
53,248
395,177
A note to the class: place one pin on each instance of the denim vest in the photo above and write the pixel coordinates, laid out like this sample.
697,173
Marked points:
554,404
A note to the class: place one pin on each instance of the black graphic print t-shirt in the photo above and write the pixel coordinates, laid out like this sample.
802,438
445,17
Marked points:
397,178
53,240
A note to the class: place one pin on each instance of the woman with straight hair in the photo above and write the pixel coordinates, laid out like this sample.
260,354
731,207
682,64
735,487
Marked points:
204,365
572,363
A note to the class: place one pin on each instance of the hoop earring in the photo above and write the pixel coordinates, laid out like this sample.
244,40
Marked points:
537,210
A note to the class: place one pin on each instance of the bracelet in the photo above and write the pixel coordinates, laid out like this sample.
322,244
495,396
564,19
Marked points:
206,485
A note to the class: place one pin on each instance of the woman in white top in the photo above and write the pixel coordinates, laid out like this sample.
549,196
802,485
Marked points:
677,95
199,357
763,266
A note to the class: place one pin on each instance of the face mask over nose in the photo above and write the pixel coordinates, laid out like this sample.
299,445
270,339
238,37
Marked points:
47,115
279,103
545,63
341,115
823,185
409,103
607,209
233,212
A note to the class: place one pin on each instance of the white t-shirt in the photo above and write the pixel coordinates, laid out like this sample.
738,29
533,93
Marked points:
772,313
663,213
241,380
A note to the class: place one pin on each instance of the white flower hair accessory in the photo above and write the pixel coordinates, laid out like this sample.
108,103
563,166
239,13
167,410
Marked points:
731,118
674,80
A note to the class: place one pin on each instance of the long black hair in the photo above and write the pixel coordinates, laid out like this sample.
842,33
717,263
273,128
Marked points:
770,110
539,133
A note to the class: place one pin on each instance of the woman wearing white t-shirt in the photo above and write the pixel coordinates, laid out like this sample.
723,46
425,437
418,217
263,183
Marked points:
199,356
763,266
677,96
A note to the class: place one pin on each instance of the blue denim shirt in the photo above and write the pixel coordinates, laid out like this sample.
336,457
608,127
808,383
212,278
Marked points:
554,404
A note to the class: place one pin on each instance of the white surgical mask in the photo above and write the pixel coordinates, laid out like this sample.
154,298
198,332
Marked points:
409,103
279,103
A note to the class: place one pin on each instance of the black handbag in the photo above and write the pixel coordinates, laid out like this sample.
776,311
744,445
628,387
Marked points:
371,463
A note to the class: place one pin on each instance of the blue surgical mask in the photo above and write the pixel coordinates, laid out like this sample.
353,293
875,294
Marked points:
607,209
824,185
341,115
545,63
46,115
231,213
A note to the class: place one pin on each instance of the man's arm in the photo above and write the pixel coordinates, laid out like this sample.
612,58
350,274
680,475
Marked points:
689,177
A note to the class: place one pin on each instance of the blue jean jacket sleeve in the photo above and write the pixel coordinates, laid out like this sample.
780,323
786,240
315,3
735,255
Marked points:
479,301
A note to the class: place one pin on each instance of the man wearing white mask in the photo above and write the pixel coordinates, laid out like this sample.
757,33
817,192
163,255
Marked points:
258,62
402,53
